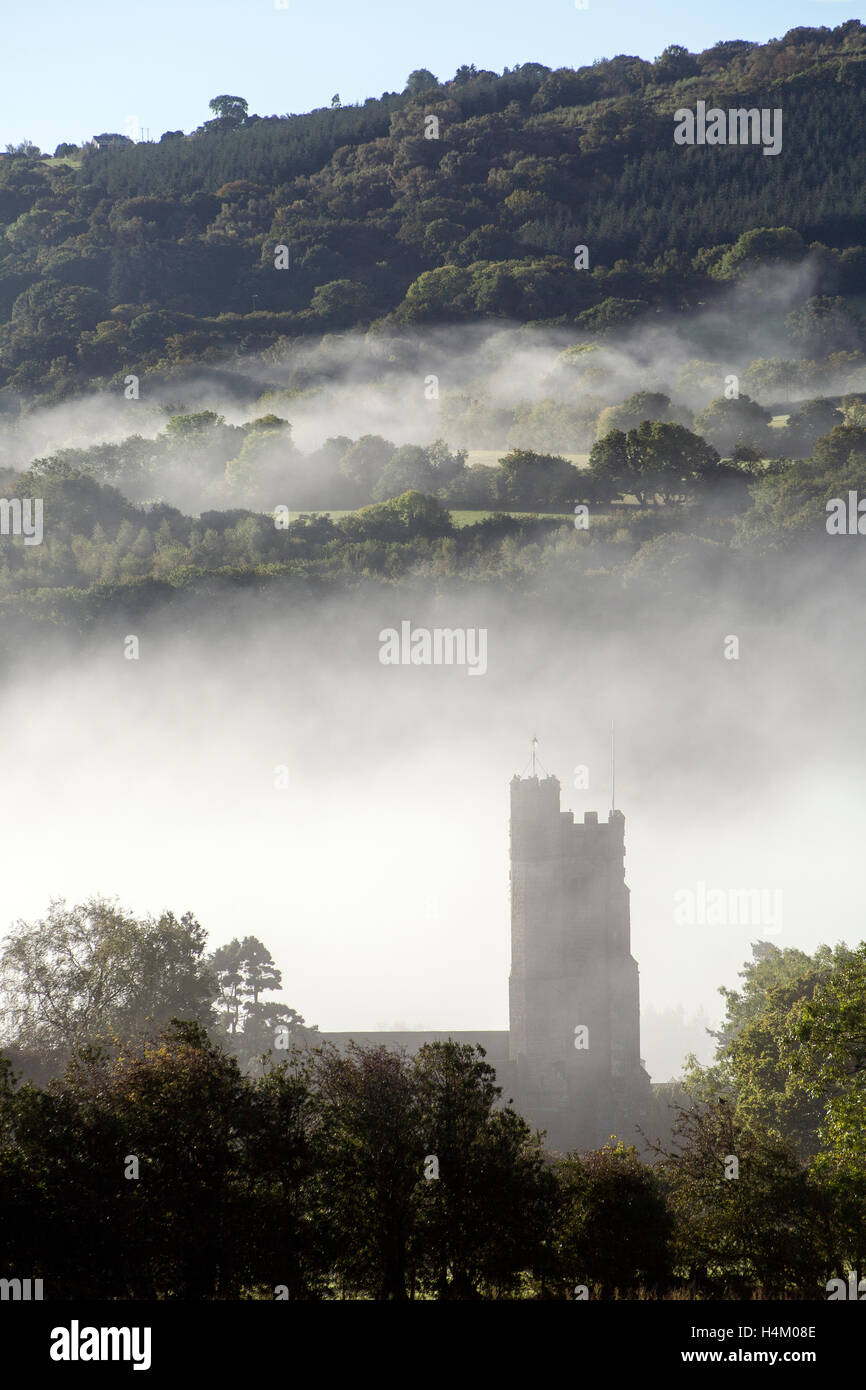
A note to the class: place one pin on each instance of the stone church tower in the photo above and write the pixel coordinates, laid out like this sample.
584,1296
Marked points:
574,1038
571,1058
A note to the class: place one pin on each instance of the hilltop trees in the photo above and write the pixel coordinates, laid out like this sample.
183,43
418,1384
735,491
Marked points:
421,80
25,149
387,226
107,138
675,63
229,112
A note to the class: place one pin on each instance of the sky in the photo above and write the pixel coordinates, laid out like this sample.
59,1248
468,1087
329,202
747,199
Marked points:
68,72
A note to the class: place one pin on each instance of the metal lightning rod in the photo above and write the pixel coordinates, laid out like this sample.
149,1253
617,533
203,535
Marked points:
612,767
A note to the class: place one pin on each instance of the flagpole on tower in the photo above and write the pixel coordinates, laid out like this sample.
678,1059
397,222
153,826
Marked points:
612,767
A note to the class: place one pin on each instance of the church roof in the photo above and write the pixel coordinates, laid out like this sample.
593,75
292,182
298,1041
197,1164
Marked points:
495,1044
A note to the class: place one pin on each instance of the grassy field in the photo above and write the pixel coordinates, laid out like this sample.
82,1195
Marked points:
335,513
467,518
459,516
489,458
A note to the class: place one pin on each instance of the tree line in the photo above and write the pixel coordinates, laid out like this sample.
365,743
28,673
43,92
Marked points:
157,1156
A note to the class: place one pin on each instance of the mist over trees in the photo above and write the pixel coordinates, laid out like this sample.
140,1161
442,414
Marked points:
529,518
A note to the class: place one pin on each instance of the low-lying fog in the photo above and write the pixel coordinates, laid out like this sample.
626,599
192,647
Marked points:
455,382
378,874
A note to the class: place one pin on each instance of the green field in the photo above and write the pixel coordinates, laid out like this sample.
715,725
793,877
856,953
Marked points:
489,458
466,517
335,513
459,516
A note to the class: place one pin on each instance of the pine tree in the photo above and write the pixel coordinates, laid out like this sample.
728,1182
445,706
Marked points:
246,971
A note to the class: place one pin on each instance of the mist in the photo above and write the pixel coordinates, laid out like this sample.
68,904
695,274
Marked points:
378,875
472,385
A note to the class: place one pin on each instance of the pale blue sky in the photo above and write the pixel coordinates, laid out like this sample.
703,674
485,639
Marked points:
70,70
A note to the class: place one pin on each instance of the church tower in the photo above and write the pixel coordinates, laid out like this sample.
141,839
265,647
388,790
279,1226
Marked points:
574,1040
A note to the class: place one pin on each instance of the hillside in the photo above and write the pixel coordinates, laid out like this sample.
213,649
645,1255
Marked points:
123,258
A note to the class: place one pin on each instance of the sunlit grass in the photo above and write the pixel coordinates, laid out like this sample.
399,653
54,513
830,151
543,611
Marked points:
489,458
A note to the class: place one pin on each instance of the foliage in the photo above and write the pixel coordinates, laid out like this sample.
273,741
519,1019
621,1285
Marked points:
614,1227
93,974
244,973
762,1226
385,225
654,461
367,1173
